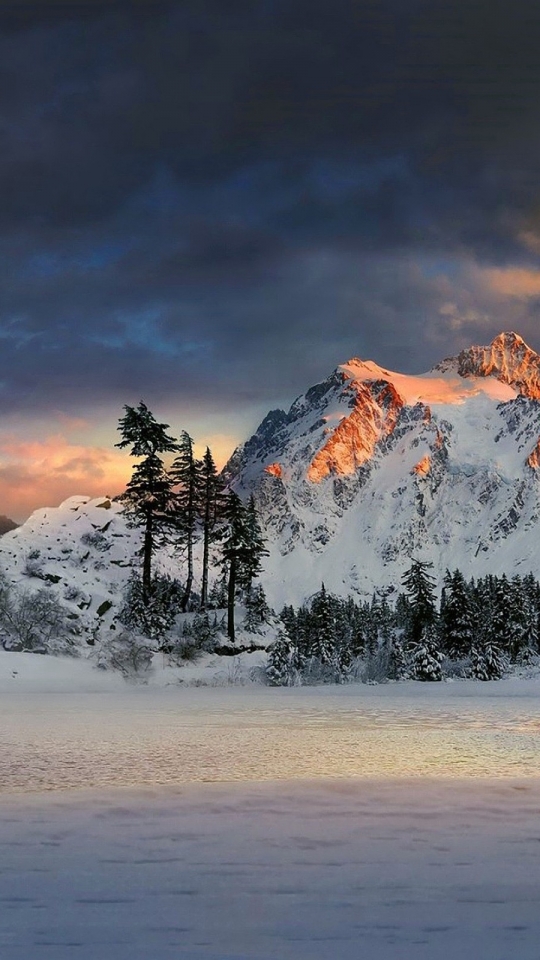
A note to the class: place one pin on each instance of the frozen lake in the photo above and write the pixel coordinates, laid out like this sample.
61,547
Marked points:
398,822
132,736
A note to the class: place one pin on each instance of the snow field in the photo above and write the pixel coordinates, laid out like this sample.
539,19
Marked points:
394,870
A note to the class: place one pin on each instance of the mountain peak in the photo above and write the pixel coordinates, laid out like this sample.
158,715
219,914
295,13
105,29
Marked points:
508,339
507,358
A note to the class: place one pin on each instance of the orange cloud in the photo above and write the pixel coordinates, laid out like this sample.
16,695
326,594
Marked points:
42,473
516,282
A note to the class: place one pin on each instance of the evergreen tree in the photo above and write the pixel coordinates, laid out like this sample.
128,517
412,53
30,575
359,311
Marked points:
205,630
151,617
360,629
211,502
501,614
255,547
303,633
487,661
217,598
148,499
257,609
242,547
426,657
517,628
233,552
396,661
322,628
186,476
420,591
531,589
289,620
457,616
280,670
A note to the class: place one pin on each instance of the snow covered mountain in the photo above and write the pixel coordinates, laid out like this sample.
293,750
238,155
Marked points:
367,469
371,467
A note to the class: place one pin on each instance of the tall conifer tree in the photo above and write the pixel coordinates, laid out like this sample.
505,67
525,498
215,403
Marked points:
148,499
241,550
211,497
186,476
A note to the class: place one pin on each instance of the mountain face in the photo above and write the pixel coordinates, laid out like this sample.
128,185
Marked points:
371,467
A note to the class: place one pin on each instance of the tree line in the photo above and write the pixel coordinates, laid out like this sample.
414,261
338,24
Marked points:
178,505
478,629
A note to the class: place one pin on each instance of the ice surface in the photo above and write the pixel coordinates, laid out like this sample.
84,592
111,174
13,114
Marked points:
137,735
397,822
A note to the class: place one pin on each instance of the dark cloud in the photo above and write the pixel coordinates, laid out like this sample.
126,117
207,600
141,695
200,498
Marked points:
256,190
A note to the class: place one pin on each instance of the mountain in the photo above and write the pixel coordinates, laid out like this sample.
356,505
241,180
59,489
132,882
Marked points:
6,524
372,467
366,470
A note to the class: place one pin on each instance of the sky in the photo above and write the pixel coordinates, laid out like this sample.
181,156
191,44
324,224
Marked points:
210,205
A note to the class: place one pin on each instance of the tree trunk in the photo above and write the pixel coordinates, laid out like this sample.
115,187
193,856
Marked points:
189,581
190,526
230,600
147,558
204,584
206,550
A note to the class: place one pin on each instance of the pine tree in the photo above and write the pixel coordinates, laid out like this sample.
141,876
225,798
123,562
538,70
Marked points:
487,661
255,547
257,609
396,661
457,616
280,670
204,630
211,503
217,598
186,476
323,631
151,617
420,587
517,628
531,589
501,615
148,499
289,620
302,635
426,657
233,552
242,547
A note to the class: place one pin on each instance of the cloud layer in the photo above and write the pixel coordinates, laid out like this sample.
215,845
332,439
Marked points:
210,205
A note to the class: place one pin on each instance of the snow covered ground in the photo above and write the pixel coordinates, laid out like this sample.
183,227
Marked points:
355,823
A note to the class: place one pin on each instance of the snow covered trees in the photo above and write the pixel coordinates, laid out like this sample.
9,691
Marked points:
479,629
457,616
420,591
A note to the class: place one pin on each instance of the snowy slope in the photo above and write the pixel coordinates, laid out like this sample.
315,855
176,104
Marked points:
81,550
372,467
